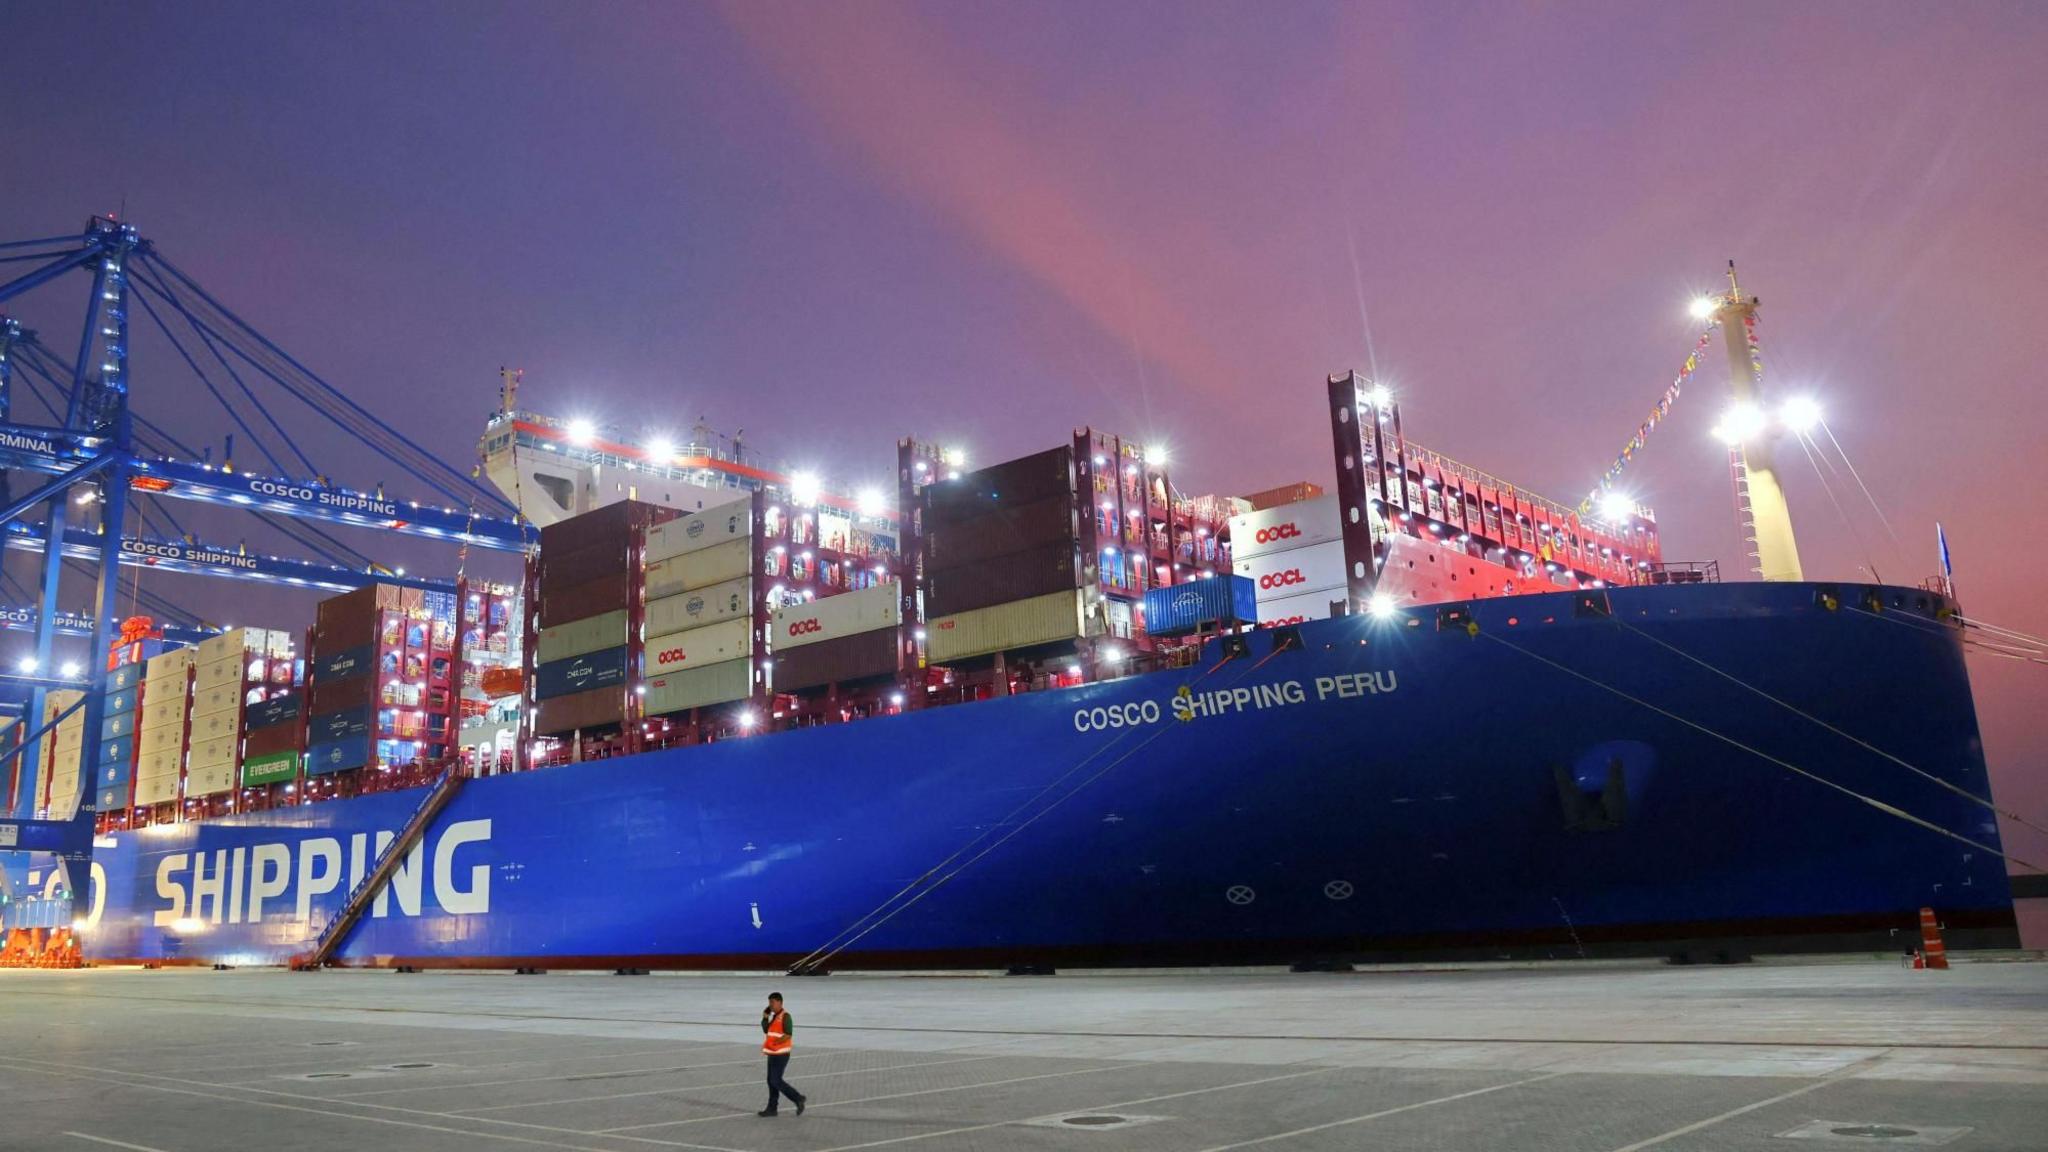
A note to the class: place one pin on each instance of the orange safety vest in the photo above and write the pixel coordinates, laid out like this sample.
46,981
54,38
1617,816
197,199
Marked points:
776,1042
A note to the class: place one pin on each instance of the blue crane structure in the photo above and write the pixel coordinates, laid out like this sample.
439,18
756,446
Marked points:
95,445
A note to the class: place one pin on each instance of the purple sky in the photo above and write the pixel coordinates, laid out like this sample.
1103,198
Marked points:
836,224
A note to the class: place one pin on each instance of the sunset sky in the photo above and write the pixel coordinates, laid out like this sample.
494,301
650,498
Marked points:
836,224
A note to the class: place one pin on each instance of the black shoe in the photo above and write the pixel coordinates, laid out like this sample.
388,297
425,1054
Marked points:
765,1112
800,1106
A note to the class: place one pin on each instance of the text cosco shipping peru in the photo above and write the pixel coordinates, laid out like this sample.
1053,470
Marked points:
1188,704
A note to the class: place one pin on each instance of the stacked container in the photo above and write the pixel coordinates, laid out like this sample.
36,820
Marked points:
230,672
586,601
161,733
1003,563
701,610
840,639
272,704
380,690
121,715
1294,556
492,658
60,752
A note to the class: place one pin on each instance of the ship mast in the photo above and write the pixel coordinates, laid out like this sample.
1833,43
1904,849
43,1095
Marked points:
1765,516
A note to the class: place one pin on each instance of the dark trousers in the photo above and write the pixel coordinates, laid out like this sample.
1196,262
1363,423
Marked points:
777,1086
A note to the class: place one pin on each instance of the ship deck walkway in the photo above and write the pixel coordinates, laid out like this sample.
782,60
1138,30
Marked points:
1771,1057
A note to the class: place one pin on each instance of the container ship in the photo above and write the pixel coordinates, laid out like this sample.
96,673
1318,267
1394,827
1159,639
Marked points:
1051,711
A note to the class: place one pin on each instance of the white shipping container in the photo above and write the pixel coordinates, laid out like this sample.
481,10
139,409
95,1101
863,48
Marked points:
1300,609
700,569
698,687
1017,624
699,647
1276,575
829,618
156,789
581,637
730,600
168,666
700,530
1296,525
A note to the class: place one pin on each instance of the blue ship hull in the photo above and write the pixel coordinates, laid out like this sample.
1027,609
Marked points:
1400,787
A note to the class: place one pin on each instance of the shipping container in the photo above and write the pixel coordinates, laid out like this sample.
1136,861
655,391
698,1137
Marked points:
329,727
614,521
359,610
125,677
270,741
210,780
277,767
164,710
1286,527
119,702
834,617
1295,571
118,751
606,594
1300,609
1003,531
841,660
1009,484
113,726
338,755
171,665
218,674
157,763
698,647
580,637
699,687
1293,493
1039,572
583,711
580,673
1003,627
330,696
731,600
1213,602
216,726
153,741
209,753
568,569
274,711
695,531
214,701
700,569
347,664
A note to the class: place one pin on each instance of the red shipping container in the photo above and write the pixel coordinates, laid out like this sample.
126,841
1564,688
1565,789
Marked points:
581,711
568,569
614,521
1009,484
847,659
274,739
1002,531
605,594
1038,572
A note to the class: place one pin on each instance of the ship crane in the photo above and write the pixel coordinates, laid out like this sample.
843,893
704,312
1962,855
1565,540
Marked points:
1746,429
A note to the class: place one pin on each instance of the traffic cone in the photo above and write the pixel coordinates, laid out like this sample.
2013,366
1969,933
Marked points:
1932,953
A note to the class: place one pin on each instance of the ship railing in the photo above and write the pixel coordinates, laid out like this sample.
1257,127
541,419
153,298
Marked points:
1683,572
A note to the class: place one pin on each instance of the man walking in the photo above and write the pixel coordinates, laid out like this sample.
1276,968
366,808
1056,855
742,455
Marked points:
777,1036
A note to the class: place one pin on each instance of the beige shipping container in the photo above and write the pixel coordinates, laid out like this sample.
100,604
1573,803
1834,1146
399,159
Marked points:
156,789
699,647
1017,624
581,637
218,674
216,726
165,709
159,762
210,779
731,600
170,665
698,687
218,750
214,701
154,740
697,531
829,618
700,569
231,643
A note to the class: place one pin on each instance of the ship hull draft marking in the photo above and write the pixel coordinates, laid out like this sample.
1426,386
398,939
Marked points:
1430,765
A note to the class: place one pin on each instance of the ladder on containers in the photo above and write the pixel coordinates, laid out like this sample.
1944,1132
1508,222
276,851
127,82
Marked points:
359,897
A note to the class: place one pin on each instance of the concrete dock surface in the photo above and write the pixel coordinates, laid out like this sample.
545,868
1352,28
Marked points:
1773,1057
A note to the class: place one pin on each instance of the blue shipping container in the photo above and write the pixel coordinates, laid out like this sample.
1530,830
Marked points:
267,713
119,750
338,755
119,703
345,665
114,727
126,676
340,726
1217,601
580,673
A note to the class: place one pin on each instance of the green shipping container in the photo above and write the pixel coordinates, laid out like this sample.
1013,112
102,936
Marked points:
276,768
